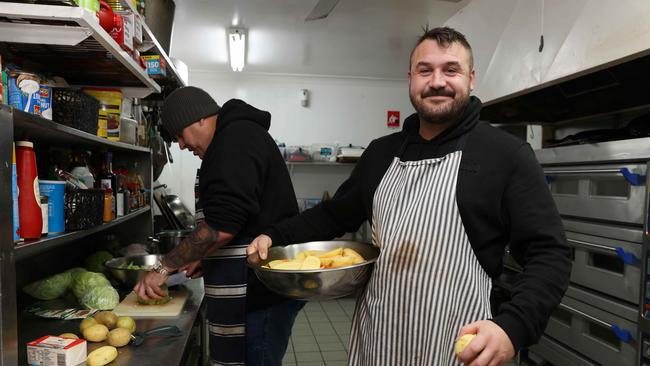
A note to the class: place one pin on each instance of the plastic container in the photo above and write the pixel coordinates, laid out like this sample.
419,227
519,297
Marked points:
55,191
110,111
29,207
298,154
14,193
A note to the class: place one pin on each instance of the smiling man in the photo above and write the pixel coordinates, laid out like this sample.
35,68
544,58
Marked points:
445,196
244,186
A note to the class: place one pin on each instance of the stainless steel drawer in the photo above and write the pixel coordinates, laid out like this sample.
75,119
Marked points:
606,265
548,352
594,333
614,193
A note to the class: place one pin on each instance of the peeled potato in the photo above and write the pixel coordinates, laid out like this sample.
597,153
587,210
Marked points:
347,252
462,342
318,259
332,253
311,262
273,264
304,254
289,265
342,261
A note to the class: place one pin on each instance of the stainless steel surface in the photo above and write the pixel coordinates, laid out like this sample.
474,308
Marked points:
33,247
611,151
130,277
587,245
169,239
153,351
548,350
584,315
598,266
612,231
580,171
586,329
8,307
180,212
602,196
318,285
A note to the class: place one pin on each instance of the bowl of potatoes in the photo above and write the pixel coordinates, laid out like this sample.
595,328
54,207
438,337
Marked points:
318,270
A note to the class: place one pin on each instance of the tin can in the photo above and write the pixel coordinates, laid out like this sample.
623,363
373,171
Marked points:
24,91
45,100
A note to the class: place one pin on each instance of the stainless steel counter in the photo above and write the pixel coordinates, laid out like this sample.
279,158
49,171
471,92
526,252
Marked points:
153,351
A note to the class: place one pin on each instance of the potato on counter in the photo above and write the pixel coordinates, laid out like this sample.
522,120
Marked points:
102,356
95,333
317,259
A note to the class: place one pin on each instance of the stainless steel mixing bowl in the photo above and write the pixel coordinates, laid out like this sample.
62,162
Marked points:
129,277
318,284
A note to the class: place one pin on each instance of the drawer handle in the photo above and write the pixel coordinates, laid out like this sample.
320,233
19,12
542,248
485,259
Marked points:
626,257
622,334
632,178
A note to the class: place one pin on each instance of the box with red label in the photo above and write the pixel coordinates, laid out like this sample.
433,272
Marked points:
56,351
155,65
128,19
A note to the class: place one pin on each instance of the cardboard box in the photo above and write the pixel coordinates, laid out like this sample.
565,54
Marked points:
137,30
155,65
56,351
129,28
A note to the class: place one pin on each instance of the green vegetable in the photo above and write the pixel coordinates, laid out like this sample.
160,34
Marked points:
95,262
88,280
102,298
164,300
75,272
49,288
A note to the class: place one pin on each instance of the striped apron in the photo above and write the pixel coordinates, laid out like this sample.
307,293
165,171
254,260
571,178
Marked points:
427,283
225,277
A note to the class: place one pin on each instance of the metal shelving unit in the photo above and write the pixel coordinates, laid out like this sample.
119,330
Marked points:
70,43
30,248
150,40
67,42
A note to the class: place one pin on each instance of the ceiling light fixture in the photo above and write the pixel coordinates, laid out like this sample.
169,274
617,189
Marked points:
237,45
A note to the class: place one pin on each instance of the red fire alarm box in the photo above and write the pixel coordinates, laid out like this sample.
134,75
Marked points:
393,119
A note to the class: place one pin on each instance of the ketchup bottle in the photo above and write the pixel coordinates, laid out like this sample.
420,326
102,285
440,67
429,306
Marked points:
29,207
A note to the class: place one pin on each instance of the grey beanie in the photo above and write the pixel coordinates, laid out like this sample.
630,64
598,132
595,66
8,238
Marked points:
185,106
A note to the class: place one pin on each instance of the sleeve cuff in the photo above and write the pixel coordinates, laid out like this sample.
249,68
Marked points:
515,329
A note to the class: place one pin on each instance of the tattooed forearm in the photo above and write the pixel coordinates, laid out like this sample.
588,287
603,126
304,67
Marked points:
194,247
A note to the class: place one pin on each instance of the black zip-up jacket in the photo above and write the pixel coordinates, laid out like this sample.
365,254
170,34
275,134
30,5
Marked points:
502,198
244,184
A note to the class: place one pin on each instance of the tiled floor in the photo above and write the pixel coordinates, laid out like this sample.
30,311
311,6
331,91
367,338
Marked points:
321,333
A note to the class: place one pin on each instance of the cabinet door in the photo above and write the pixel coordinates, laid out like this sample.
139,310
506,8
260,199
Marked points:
581,35
505,37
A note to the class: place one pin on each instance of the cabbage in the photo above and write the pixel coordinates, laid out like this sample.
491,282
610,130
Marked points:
87,280
49,288
95,263
75,272
102,298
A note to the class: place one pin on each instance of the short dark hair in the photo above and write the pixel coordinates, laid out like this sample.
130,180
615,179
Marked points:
444,36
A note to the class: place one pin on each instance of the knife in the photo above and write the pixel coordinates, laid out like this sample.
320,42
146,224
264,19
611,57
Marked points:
176,279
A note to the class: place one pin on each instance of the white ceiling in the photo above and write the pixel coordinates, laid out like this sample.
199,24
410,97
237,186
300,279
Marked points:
360,38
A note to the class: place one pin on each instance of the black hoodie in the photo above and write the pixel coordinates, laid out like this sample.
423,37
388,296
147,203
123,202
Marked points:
244,185
502,198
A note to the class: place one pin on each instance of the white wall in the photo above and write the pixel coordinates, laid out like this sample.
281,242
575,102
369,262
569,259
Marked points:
343,110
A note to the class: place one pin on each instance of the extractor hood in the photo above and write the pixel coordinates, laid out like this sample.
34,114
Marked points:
616,87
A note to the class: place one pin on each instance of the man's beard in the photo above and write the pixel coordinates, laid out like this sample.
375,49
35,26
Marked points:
449,113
